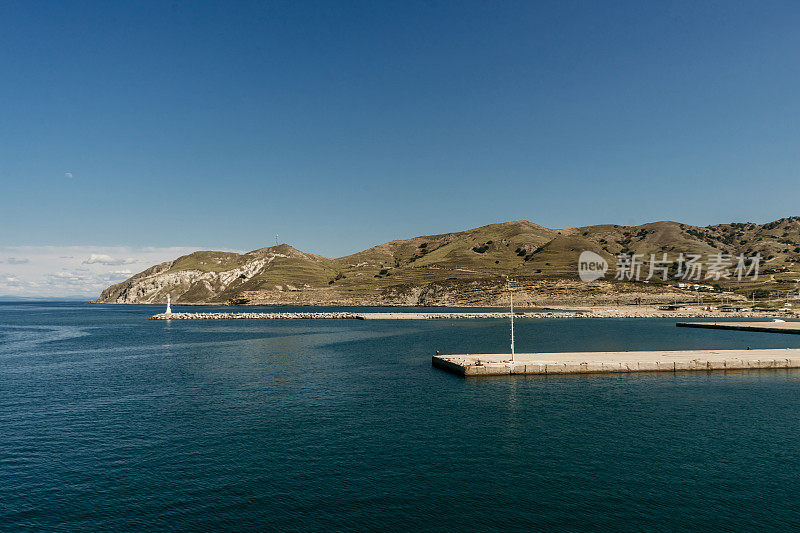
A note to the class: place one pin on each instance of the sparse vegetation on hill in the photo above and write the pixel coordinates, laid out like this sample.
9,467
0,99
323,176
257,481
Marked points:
463,268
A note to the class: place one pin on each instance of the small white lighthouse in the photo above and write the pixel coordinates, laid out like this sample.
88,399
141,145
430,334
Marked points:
169,309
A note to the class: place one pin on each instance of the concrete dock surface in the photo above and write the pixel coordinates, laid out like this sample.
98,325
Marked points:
766,327
616,362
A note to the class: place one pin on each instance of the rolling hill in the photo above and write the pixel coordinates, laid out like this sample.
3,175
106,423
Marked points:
467,267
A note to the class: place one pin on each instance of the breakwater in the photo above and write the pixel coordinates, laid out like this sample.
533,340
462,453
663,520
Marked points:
627,312
257,316
344,315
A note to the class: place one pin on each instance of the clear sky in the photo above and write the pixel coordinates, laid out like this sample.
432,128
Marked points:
341,125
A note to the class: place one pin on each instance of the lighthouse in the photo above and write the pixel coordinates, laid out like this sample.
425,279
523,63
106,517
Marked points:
169,309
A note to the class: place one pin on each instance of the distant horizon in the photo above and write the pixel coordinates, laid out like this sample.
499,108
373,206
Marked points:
21,299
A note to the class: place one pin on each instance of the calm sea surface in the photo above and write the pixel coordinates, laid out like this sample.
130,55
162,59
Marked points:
109,421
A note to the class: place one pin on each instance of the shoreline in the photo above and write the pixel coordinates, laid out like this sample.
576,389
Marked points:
594,312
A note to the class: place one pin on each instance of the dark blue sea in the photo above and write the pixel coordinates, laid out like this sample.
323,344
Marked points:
112,422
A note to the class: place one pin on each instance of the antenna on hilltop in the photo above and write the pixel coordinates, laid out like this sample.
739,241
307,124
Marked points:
276,239
511,287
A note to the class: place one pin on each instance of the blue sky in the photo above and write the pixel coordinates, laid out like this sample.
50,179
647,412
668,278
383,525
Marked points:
340,125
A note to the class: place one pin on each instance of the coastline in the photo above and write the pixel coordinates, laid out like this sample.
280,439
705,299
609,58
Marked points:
571,312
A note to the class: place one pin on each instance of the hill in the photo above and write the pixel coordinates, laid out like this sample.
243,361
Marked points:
467,267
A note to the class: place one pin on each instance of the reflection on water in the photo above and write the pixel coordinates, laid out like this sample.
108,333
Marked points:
19,339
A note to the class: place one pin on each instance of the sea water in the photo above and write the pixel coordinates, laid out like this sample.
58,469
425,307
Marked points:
110,421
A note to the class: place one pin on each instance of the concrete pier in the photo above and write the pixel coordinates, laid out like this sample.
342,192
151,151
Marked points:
765,327
616,362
